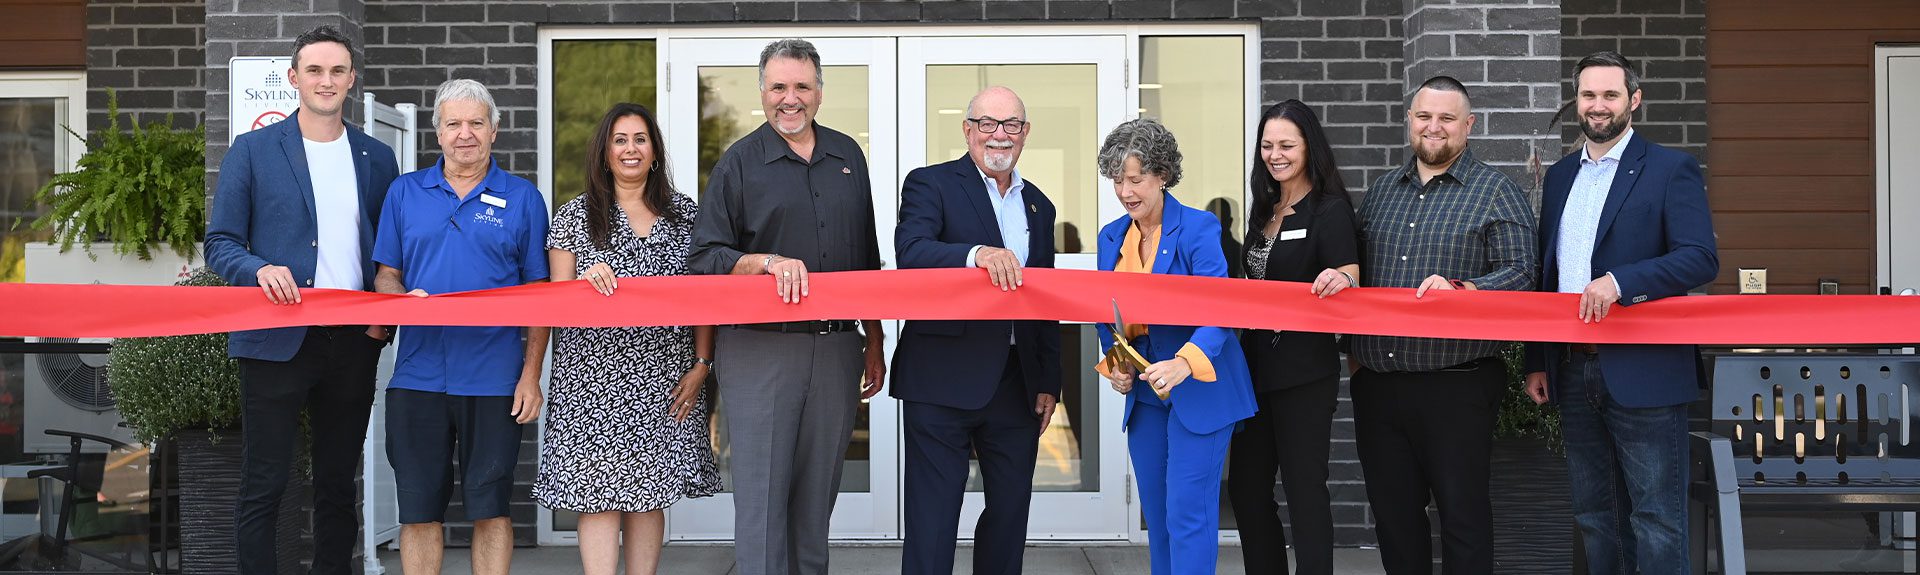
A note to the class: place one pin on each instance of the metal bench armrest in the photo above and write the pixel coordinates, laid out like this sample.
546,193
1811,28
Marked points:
1714,454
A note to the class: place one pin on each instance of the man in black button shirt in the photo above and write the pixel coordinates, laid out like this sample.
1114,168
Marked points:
789,198
1423,408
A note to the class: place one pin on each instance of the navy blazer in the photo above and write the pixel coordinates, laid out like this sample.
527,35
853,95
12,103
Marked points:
1189,245
262,214
944,212
1656,237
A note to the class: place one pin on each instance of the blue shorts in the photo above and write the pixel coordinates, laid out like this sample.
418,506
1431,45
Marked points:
425,430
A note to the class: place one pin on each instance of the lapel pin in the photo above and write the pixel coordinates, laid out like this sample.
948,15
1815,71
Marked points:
1032,208
846,170
1629,172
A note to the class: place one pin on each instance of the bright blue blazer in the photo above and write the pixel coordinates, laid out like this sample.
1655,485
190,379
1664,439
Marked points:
1189,245
1656,236
262,214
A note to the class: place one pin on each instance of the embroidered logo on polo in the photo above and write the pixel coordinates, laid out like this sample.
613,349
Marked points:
487,217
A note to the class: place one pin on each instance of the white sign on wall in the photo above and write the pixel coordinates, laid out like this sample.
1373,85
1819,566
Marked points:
258,93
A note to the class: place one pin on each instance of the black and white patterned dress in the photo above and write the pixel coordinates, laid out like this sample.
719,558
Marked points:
610,443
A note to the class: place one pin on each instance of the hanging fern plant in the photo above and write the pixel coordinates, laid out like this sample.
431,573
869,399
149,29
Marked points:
138,190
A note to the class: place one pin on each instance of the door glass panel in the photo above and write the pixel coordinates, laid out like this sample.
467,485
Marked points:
1196,86
30,152
1059,157
730,108
589,76
1069,457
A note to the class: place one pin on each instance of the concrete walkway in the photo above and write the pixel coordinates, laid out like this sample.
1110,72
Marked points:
885,559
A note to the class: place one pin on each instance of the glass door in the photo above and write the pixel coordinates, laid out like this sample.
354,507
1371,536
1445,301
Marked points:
712,89
1075,91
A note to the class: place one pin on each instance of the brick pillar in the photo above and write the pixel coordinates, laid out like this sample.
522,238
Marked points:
265,28
1507,53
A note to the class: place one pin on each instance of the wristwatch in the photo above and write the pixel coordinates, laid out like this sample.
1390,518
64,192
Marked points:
703,361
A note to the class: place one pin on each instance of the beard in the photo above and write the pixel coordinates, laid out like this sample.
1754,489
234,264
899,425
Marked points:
998,161
1434,157
1605,132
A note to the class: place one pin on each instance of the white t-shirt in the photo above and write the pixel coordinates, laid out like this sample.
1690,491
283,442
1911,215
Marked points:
336,214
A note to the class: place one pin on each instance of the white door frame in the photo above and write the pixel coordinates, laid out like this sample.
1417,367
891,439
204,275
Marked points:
869,515
1888,257
886,133
1095,515
66,85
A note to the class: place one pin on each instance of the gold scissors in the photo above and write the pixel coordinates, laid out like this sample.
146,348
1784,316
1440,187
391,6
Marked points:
1122,353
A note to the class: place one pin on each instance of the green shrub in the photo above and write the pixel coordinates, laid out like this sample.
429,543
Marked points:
164,385
1519,417
137,190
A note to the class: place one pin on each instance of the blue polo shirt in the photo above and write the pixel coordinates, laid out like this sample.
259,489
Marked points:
442,243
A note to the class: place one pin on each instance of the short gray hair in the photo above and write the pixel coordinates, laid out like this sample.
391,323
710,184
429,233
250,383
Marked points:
794,48
1146,140
463,89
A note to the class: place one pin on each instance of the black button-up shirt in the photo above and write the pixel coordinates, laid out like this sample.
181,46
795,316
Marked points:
1471,223
764,198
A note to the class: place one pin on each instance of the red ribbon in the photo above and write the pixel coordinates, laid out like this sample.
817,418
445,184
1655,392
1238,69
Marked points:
58,310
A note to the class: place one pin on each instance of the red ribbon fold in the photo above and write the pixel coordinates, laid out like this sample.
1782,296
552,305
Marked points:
63,310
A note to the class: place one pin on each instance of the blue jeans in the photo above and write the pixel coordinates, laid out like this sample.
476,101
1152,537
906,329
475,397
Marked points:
1628,470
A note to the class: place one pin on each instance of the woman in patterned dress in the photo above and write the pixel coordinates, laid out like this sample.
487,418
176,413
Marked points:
626,427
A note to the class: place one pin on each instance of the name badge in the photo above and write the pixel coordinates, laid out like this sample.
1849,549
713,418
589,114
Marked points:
495,201
1290,235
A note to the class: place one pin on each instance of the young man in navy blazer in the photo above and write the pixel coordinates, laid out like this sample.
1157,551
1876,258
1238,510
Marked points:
1623,221
295,208
986,387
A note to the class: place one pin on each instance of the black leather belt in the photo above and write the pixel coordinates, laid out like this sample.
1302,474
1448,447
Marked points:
1586,348
814,327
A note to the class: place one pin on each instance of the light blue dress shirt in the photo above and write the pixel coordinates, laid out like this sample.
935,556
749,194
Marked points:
1006,212
1580,220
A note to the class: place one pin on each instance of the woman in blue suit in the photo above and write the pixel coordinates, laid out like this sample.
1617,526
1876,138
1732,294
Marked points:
1178,444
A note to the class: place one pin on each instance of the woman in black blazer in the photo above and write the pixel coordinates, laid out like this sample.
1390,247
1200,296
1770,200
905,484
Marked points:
1300,228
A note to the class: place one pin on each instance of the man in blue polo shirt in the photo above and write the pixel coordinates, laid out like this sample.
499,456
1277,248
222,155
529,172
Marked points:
463,224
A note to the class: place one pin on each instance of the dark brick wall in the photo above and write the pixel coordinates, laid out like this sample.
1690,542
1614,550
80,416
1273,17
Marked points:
1667,41
150,53
1341,56
1346,58
1506,52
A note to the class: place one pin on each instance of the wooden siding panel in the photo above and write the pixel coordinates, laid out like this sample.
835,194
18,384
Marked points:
1811,15
1795,231
1730,194
43,34
1791,102
1791,120
1791,84
1800,266
1788,48
1785,157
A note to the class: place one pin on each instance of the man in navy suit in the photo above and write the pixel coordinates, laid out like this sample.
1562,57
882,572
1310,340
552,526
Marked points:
1623,221
295,208
975,387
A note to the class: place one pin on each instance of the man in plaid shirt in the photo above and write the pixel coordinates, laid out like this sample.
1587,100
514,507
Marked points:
1424,408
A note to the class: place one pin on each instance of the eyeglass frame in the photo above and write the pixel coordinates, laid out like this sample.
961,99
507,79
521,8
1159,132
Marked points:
980,124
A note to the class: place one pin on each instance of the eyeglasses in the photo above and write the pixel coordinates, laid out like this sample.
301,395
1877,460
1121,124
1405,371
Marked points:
987,125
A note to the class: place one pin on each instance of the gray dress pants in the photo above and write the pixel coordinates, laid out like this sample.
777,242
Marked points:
790,401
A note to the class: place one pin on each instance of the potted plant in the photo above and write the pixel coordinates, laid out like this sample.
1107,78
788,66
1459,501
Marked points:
182,394
139,194
1533,524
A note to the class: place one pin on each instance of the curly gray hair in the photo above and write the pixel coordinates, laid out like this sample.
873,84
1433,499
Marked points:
1145,140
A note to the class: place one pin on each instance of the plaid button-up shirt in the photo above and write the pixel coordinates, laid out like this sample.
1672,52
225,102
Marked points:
1471,223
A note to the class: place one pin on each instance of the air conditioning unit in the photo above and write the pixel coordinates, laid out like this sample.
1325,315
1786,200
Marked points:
69,391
